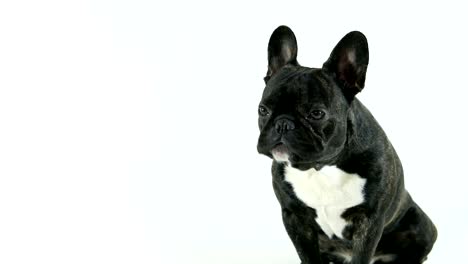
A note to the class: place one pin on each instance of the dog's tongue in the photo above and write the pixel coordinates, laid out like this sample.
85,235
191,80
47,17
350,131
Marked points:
280,152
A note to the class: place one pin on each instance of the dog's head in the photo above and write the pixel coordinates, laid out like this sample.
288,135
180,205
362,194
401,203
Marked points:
304,111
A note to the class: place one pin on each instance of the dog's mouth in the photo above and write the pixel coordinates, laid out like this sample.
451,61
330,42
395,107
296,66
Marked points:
283,154
280,153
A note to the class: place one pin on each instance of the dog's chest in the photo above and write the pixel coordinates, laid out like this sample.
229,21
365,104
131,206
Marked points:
330,191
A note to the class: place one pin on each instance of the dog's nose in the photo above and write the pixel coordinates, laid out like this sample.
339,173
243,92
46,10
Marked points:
283,125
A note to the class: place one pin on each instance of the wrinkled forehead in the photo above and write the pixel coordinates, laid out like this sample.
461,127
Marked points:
299,84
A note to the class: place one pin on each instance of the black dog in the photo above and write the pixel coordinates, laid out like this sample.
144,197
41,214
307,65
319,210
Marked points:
336,175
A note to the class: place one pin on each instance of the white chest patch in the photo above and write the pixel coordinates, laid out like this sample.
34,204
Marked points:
330,191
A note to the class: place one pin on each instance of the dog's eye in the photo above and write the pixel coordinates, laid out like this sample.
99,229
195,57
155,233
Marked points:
263,111
315,115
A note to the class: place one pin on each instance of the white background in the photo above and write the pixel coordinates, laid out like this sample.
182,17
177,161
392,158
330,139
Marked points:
128,129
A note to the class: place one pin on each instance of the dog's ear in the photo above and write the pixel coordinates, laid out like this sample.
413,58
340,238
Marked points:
282,50
348,63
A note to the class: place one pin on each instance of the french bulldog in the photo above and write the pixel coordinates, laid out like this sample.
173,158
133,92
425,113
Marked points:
336,175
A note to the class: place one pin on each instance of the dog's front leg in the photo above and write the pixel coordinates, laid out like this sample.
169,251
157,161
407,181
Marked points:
303,236
366,236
